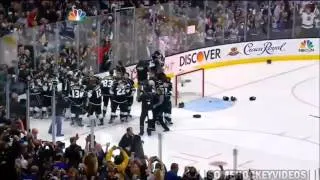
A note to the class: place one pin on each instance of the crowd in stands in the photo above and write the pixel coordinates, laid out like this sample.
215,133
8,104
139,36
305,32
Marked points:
24,156
216,22
226,21
18,14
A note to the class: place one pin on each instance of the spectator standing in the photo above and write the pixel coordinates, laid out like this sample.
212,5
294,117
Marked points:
32,17
173,173
190,173
308,14
74,153
120,161
131,142
17,111
127,141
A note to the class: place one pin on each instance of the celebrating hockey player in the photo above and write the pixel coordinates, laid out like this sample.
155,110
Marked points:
76,99
167,105
131,94
120,92
35,97
158,102
94,95
106,85
47,96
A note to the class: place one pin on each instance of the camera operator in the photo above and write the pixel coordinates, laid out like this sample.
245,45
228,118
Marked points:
61,105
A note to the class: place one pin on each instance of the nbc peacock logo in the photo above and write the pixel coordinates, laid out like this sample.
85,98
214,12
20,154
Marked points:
76,14
306,46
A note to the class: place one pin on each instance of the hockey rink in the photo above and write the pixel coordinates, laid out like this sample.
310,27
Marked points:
280,130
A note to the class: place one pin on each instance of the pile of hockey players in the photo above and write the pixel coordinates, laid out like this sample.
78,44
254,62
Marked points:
154,93
91,96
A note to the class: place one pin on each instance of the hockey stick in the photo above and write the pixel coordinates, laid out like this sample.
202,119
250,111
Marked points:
314,116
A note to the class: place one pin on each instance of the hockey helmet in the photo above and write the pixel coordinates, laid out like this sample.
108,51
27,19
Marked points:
157,55
111,72
151,83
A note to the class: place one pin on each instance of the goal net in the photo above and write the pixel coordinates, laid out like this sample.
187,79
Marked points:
189,86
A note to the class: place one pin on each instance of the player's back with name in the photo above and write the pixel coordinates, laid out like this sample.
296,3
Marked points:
77,95
94,95
147,93
35,89
106,85
167,90
120,91
130,86
47,89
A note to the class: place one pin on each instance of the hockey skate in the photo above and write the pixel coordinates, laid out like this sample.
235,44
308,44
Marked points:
80,122
111,120
72,121
169,122
45,115
37,116
94,124
101,122
141,131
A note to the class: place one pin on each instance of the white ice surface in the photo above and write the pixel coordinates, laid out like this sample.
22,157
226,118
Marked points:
274,132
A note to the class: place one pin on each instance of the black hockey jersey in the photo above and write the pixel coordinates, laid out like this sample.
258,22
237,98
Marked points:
147,93
167,90
106,85
65,82
142,70
120,91
77,95
95,95
35,89
130,83
47,89
158,97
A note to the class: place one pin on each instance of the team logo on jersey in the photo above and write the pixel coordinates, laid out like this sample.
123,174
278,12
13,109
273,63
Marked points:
233,51
76,14
306,46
